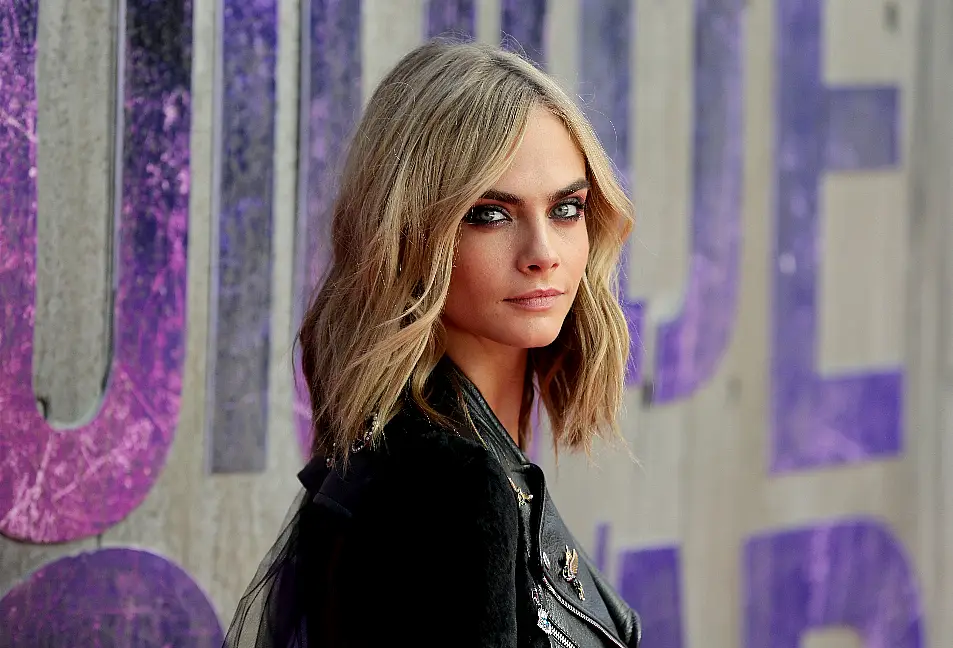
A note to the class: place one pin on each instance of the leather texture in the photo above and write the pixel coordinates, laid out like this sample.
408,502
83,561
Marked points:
602,617
505,491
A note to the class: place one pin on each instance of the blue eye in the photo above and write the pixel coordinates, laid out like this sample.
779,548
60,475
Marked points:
570,210
486,215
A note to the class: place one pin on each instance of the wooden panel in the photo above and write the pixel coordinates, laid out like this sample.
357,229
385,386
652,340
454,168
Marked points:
864,215
488,18
661,154
702,487
862,279
562,54
931,308
76,94
388,31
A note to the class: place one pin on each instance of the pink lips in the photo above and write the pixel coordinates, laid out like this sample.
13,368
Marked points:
536,300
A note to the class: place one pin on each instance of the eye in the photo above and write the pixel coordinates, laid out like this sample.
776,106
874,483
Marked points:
486,215
569,210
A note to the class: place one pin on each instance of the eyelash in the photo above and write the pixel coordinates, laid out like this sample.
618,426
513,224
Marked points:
578,203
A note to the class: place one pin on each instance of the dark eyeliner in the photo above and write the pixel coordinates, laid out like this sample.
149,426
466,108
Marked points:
482,209
578,203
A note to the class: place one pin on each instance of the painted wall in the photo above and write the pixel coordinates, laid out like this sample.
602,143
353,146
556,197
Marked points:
165,169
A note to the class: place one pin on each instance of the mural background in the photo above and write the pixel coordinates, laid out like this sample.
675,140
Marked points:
164,174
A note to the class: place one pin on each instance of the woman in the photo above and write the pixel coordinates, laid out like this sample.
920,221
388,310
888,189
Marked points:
475,242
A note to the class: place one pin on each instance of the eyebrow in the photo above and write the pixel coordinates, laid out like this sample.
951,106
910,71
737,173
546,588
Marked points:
513,199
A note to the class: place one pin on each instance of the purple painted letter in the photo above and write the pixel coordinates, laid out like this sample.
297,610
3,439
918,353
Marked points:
331,100
240,308
821,421
523,23
58,485
851,574
453,17
689,347
606,91
650,583
110,597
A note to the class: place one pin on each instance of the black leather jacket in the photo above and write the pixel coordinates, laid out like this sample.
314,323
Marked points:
435,537
586,608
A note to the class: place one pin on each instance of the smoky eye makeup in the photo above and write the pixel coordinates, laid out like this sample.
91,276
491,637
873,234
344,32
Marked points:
568,209
486,215
571,209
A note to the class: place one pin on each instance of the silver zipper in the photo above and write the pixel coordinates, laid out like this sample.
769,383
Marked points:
546,625
561,638
582,615
544,616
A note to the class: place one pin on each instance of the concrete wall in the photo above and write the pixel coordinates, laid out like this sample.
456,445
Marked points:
793,262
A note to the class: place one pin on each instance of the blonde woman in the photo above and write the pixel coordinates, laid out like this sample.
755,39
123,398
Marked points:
475,240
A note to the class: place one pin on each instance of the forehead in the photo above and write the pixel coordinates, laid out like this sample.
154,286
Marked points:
546,159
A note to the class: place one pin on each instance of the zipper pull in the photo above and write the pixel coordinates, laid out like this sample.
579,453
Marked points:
542,616
543,621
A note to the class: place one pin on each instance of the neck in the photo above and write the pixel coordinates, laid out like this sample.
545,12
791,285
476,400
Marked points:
499,374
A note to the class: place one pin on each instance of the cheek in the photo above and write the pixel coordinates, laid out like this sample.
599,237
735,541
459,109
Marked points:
476,269
577,256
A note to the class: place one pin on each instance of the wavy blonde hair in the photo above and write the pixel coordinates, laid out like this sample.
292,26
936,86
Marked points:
439,131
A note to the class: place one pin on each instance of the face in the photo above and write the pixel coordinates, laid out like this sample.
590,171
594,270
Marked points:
523,246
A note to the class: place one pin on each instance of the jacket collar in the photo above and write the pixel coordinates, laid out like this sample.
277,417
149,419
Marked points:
455,395
546,533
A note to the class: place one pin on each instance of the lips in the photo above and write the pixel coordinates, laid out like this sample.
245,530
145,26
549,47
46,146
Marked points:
536,300
535,294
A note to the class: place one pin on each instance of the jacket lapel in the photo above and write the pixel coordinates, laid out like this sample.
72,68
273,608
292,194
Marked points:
551,547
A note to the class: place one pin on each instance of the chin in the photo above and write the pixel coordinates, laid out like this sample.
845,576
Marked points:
540,344
532,339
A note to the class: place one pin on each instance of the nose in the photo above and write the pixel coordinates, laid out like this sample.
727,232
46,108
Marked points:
538,254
